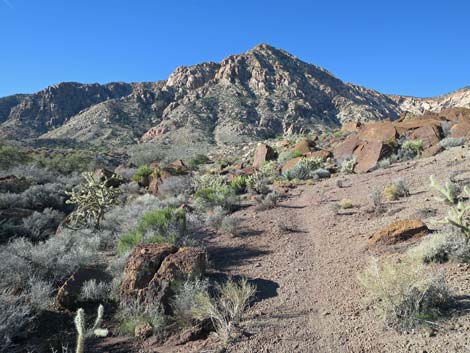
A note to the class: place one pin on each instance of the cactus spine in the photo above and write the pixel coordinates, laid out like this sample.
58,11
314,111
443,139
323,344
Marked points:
83,333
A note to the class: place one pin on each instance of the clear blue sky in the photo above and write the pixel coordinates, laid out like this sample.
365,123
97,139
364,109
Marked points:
411,47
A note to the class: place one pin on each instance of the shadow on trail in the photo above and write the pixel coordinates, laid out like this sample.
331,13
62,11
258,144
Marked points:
228,256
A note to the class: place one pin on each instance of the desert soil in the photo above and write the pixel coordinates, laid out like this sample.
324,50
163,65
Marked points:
305,258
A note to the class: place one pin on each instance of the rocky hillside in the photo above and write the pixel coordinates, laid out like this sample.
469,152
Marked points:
260,94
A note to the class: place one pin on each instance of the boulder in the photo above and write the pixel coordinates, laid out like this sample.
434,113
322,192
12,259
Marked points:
303,146
383,132
368,155
290,164
177,167
142,265
399,231
460,130
14,184
457,114
151,268
263,153
187,261
346,148
432,151
429,134
68,295
406,126
323,154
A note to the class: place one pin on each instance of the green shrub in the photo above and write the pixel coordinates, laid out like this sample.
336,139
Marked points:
307,168
405,292
396,190
197,161
11,156
133,313
66,163
296,154
209,181
165,225
238,184
223,196
347,166
413,146
142,173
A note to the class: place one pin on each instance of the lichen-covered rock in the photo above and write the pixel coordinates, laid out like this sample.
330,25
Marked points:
399,231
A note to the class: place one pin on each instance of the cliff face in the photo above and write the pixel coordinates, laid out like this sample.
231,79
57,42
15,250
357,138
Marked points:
262,93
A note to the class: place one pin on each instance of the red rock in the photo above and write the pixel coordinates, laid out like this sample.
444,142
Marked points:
429,135
368,154
303,146
323,154
460,130
345,149
186,262
383,132
415,123
263,153
290,164
432,151
351,126
399,231
457,114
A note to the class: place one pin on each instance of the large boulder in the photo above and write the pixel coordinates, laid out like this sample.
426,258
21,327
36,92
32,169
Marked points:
430,135
303,146
406,126
460,130
152,268
323,154
383,132
346,148
263,153
351,126
290,164
399,231
368,155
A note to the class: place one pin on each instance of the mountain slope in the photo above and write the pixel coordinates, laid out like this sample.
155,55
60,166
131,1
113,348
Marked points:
259,94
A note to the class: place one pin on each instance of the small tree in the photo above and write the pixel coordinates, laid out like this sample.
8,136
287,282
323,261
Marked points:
92,199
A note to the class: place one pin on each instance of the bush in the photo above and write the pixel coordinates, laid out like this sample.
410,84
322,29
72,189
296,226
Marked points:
184,301
378,206
15,314
95,291
397,189
450,142
132,314
142,173
174,186
199,159
347,166
223,196
257,183
66,163
268,201
11,156
346,204
405,292
413,146
145,153
238,184
285,157
459,214
209,181
442,247
230,225
166,225
92,199
40,225
307,168
225,310
296,154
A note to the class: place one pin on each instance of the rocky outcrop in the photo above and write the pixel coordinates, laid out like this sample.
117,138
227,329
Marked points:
263,153
151,268
399,231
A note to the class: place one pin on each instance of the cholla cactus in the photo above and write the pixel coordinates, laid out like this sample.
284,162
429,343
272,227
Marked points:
83,333
448,192
93,198
459,215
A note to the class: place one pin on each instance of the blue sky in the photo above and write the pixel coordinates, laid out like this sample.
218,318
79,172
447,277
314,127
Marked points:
419,48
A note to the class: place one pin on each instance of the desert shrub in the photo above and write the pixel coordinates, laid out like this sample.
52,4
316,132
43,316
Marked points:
459,214
442,247
145,153
257,183
174,186
214,217
238,184
66,163
36,197
143,172
285,156
40,225
347,166
412,146
230,225
226,308
346,204
184,301
209,181
199,159
92,199
223,196
307,168
385,163
15,314
11,156
405,292
450,142
376,199
133,313
95,291
297,154
166,225
266,202
397,189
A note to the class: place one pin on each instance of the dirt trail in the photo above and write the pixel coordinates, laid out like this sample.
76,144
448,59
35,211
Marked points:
305,260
